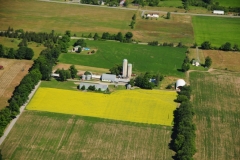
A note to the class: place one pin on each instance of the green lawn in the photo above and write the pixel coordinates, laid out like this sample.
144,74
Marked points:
228,3
69,85
170,3
165,60
216,30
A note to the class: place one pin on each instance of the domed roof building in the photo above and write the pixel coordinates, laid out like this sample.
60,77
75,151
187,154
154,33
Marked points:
180,83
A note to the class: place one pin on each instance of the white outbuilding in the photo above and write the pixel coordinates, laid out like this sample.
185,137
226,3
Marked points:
180,83
218,12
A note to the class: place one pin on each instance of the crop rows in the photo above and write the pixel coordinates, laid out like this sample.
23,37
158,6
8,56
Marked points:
40,135
8,76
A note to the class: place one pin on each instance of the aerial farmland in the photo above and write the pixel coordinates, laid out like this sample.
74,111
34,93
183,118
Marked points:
67,93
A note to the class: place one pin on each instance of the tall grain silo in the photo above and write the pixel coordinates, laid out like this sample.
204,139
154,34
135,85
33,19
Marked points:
124,73
129,70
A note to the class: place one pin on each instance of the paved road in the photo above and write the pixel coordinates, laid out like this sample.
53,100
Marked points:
193,14
8,129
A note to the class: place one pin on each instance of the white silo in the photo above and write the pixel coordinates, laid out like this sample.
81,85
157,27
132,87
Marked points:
124,72
129,70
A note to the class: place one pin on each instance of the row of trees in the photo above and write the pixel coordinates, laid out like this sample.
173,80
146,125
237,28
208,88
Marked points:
156,43
225,47
21,53
183,135
41,37
19,97
107,36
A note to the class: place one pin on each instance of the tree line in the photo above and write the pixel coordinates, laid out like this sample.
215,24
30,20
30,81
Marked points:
225,47
183,135
156,43
21,53
127,38
41,69
66,74
41,37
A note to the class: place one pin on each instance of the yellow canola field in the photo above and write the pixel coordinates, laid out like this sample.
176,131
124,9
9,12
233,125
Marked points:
142,106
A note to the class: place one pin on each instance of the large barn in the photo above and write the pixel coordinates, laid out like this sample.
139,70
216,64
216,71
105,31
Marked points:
108,77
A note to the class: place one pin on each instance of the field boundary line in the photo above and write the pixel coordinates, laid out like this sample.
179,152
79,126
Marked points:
10,126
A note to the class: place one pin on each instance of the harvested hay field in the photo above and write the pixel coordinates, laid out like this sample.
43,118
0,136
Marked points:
10,77
216,98
165,30
224,60
141,106
40,135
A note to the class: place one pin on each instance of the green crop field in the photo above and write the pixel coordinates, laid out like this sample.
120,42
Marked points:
41,135
216,99
165,60
216,30
170,3
228,3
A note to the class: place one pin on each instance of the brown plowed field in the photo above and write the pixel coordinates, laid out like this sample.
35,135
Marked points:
10,77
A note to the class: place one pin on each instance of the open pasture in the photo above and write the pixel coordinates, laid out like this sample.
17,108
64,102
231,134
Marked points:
10,77
216,101
165,30
141,106
224,60
165,60
40,135
216,30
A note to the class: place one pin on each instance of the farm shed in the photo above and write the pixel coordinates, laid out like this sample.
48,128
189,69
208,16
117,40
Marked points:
153,15
103,87
180,83
75,49
218,12
108,77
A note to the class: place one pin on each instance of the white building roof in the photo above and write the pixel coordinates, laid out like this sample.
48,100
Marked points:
109,77
218,12
180,83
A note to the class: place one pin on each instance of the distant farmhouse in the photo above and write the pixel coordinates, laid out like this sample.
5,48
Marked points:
153,15
195,63
218,12
102,87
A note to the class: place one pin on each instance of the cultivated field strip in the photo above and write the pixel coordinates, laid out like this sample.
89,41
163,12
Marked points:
216,98
9,75
141,106
40,135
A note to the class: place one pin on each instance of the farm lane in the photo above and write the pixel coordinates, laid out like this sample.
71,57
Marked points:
164,12
10,126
